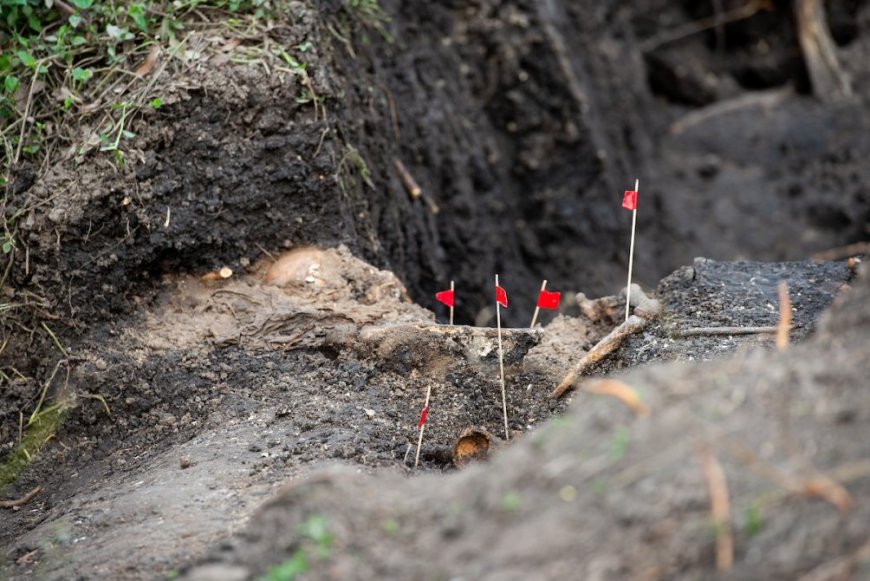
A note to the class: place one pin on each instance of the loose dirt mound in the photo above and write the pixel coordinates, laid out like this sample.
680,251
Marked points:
600,494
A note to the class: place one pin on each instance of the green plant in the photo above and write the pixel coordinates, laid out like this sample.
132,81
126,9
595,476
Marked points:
315,530
754,523
619,442
511,502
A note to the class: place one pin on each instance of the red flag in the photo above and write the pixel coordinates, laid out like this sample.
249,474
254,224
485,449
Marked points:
548,300
629,200
445,297
423,415
500,296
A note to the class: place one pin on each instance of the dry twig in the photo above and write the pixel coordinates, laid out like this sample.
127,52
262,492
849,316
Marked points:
21,501
699,331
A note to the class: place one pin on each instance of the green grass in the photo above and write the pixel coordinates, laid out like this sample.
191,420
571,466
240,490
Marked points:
36,435
316,538
73,75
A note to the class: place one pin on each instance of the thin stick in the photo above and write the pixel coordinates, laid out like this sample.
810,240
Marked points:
696,331
507,434
422,427
20,501
631,251
452,302
537,308
785,317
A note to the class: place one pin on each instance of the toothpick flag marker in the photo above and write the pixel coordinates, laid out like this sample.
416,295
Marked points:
501,301
546,300
447,298
421,425
629,202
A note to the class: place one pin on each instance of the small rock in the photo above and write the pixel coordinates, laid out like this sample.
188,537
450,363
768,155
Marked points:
184,462
100,364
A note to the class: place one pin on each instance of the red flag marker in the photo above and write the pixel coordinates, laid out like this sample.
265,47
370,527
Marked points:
501,301
501,296
546,300
421,425
549,300
447,297
629,202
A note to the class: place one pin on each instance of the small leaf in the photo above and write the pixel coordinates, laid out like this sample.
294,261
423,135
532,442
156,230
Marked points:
26,58
128,134
11,83
156,103
81,75
137,13
118,33
7,246
78,40
83,4
75,20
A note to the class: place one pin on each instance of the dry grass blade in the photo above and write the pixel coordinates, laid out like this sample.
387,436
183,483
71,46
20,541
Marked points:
720,508
819,485
621,391
785,317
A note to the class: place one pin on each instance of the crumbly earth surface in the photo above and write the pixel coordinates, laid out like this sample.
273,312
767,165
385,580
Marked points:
192,399
262,384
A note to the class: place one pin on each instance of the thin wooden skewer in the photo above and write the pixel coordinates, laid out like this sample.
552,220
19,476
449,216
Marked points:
537,308
507,434
452,302
422,427
631,251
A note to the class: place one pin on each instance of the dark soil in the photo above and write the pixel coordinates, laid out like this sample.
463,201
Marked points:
600,494
522,122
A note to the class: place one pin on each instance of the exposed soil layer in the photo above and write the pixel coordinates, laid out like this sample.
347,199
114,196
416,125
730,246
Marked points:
600,494
259,383
521,122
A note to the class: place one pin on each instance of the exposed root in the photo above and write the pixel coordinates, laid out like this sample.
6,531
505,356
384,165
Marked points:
830,83
702,331
605,347
842,252
762,99
21,501
621,391
748,10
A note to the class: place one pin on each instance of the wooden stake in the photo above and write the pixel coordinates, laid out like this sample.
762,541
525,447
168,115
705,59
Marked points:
537,308
422,427
507,434
453,302
631,252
